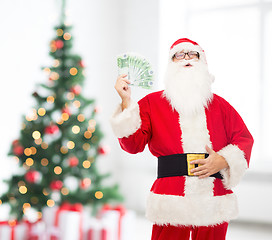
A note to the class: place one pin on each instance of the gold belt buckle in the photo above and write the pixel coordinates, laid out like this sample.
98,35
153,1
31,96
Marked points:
191,157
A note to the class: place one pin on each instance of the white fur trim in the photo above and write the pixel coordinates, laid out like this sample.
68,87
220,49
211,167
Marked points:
237,165
125,123
202,188
186,46
188,90
197,208
195,135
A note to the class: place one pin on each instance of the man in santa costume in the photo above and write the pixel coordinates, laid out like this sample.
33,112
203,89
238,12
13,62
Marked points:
202,145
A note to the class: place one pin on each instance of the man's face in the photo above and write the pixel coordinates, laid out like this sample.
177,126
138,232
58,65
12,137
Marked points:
188,81
184,56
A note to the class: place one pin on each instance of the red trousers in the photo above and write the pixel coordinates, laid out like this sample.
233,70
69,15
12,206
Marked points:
169,232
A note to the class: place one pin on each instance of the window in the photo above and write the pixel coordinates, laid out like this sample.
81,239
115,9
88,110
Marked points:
235,34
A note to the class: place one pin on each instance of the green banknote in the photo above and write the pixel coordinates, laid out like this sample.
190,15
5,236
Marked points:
137,68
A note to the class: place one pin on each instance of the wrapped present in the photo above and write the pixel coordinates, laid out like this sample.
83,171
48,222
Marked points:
97,231
97,234
51,232
64,222
13,230
37,231
118,221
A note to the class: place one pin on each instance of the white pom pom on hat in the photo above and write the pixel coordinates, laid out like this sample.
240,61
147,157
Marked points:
186,45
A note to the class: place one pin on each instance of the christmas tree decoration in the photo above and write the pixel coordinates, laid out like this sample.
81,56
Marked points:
36,134
56,185
75,129
103,150
50,99
85,183
99,194
57,170
73,71
97,109
59,44
23,189
66,110
137,68
73,161
76,89
52,129
81,64
60,140
18,150
86,164
29,162
41,112
33,176
15,142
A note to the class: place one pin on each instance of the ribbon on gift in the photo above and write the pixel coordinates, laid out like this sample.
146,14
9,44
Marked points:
35,231
52,233
103,234
29,229
12,225
122,211
66,206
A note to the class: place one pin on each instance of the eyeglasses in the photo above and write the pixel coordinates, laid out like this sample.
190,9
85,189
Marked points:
191,55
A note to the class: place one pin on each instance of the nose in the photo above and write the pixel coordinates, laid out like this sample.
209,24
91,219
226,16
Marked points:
186,57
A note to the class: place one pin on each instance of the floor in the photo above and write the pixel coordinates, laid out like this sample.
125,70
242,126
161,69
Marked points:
236,231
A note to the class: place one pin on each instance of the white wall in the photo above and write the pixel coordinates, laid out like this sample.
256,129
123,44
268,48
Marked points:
102,30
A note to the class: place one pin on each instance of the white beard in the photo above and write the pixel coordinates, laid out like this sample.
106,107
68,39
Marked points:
188,88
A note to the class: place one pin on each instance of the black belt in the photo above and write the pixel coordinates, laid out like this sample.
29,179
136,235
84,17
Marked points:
177,165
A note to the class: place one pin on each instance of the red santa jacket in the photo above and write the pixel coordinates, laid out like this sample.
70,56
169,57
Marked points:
187,200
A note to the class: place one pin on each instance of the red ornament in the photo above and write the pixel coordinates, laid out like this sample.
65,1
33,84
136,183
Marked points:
32,176
59,44
103,150
81,64
18,150
76,89
97,109
56,185
15,142
52,129
73,161
85,183
66,110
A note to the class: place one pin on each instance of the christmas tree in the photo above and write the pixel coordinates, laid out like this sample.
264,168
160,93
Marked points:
60,141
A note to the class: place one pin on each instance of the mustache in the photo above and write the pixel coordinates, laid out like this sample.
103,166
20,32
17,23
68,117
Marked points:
185,62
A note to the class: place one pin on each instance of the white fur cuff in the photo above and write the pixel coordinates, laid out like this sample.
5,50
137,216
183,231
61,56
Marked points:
193,210
237,165
125,123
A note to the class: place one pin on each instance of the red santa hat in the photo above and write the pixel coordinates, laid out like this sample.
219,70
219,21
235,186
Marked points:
186,45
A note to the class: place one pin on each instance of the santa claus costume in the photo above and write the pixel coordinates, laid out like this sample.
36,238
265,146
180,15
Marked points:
177,124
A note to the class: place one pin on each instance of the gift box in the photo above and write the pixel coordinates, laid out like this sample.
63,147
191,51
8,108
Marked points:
64,222
37,231
97,230
51,232
117,222
13,230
